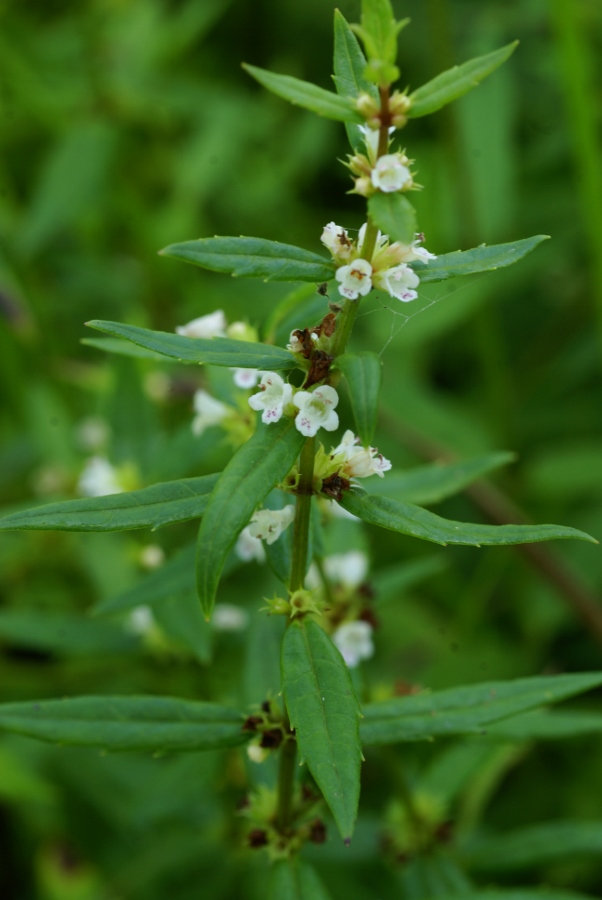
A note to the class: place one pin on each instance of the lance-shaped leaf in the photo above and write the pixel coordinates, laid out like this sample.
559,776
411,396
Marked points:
158,724
215,351
480,259
349,68
121,348
437,481
466,710
292,879
420,523
363,373
544,725
324,711
151,507
253,258
245,482
457,81
394,215
309,96
535,845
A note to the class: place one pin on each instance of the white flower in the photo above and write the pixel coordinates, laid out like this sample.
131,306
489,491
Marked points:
140,620
354,640
371,136
98,479
355,279
316,410
274,394
248,547
389,173
209,411
152,556
212,325
294,344
245,378
256,753
335,238
268,524
381,239
360,462
229,617
418,252
399,281
349,569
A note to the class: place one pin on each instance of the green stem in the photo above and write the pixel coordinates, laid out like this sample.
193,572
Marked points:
303,514
286,783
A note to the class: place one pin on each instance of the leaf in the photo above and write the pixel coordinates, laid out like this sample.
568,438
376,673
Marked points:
363,372
64,634
466,710
307,95
151,507
245,482
174,577
420,523
457,81
292,879
287,306
324,711
394,215
158,724
123,348
349,68
546,725
379,30
437,481
479,259
211,351
181,619
536,845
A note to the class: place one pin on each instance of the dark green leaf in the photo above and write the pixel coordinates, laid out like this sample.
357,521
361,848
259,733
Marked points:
292,879
480,259
363,372
466,710
151,507
324,711
455,82
420,523
536,845
157,724
394,215
307,95
245,482
349,68
212,351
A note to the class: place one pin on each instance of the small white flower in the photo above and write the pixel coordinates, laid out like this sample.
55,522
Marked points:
246,378
248,547
140,620
381,239
389,173
355,279
256,753
209,411
212,325
316,410
371,136
400,282
98,479
274,394
349,569
229,617
268,524
335,238
152,556
294,344
360,462
354,640
419,252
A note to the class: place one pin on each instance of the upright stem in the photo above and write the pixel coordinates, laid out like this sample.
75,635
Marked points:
303,514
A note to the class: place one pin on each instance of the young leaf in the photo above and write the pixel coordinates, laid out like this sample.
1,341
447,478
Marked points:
253,258
324,711
420,523
480,259
394,215
158,724
307,95
245,482
457,81
466,710
292,879
215,351
379,30
151,507
349,68
363,372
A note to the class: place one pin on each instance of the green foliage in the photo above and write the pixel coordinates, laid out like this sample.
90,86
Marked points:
394,215
363,373
349,67
481,259
309,96
295,880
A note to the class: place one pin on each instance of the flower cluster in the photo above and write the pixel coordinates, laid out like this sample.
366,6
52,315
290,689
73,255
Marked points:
388,173
356,461
316,409
265,525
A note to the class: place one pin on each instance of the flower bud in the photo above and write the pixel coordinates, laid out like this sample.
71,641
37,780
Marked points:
367,106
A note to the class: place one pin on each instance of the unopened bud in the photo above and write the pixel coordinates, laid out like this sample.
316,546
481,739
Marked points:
367,106
363,186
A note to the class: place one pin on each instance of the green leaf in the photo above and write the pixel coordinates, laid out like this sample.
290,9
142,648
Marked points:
324,711
181,619
363,372
480,259
394,215
245,482
158,724
536,845
211,351
123,348
307,95
151,507
349,68
457,81
466,710
379,30
64,634
292,879
287,306
437,481
176,576
546,725
420,523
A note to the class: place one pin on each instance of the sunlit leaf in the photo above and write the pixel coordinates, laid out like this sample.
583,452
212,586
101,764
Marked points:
307,95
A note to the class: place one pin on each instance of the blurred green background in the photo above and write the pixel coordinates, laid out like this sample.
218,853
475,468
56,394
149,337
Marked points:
128,125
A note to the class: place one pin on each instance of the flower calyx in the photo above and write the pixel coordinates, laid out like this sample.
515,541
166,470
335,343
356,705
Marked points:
267,726
300,603
260,807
